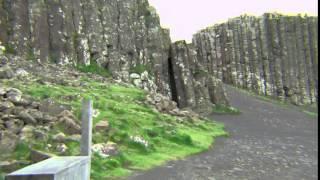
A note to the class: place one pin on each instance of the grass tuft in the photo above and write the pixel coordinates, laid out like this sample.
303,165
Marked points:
222,109
94,68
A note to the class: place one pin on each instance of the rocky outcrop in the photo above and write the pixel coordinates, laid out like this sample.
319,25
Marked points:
119,35
122,36
273,55
191,83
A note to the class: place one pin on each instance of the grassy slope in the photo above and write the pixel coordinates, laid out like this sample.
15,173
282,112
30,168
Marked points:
128,116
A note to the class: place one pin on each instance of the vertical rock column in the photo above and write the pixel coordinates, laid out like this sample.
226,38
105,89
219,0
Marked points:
182,74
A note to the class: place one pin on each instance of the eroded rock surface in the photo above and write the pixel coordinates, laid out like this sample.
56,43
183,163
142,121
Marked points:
274,55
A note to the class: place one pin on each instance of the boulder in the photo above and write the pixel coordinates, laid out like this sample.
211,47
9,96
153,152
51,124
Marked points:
61,148
106,150
3,60
102,126
60,137
27,118
6,72
137,83
4,105
3,91
10,166
22,102
14,125
52,108
8,141
134,76
145,76
21,72
26,133
40,135
74,137
68,121
217,92
14,94
37,156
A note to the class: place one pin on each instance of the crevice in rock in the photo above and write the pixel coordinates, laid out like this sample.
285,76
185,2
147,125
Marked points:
172,83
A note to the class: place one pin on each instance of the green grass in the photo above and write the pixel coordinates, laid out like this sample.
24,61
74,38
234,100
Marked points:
2,176
124,108
311,114
139,69
94,68
221,109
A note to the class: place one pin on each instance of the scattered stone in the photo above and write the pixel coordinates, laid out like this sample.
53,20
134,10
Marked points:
27,132
66,113
40,135
52,108
27,118
137,83
10,166
145,76
3,91
14,94
8,141
4,105
67,119
3,60
95,113
14,125
61,148
60,137
106,150
37,156
102,126
21,72
6,72
134,76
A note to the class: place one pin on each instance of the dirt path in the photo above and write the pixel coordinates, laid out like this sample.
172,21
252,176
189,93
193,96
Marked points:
267,142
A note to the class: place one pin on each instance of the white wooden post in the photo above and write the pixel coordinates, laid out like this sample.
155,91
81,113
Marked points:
86,131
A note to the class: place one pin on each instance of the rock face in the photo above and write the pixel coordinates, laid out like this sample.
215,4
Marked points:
273,55
122,36
191,84
119,35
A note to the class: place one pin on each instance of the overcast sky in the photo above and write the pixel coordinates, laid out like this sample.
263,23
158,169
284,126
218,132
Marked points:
185,17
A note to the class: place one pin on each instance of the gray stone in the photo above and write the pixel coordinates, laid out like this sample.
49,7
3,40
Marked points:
21,72
4,105
52,108
37,156
60,137
102,126
6,72
134,76
14,94
14,125
26,133
106,150
27,118
8,141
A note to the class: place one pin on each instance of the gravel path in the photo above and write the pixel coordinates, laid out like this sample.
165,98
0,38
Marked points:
267,142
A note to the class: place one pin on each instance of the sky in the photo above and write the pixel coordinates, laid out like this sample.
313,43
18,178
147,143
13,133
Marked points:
186,17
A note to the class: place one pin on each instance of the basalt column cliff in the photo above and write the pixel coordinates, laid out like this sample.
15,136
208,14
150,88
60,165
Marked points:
118,35
273,55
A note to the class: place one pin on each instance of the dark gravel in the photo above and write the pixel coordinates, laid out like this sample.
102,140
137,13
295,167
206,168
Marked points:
267,142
